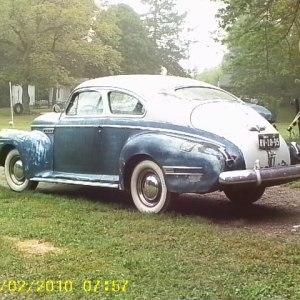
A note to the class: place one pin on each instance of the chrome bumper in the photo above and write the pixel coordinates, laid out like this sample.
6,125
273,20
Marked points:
258,176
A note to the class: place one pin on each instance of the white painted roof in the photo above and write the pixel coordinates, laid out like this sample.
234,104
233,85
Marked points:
139,84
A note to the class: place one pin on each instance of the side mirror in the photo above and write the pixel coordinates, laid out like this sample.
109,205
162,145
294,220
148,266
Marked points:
56,108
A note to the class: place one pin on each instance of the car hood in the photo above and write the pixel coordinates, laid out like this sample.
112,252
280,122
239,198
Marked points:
240,124
50,118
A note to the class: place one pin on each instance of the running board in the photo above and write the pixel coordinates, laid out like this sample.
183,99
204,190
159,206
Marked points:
76,182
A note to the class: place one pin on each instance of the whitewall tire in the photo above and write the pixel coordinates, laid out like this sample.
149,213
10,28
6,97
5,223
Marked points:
14,173
148,188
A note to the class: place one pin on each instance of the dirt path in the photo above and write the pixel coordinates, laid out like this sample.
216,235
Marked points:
276,214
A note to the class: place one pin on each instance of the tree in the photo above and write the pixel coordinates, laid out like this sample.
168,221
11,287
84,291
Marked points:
210,75
44,42
138,52
262,38
166,28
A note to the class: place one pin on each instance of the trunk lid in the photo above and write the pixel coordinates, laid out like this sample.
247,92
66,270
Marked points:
241,125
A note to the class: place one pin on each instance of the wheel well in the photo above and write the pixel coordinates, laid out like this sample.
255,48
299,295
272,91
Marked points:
130,165
5,150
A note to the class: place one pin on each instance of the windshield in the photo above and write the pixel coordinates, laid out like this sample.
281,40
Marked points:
204,93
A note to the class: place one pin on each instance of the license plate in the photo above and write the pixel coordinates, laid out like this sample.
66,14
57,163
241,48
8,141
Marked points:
268,141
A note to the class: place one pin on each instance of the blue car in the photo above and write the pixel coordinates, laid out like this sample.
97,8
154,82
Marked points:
157,136
268,115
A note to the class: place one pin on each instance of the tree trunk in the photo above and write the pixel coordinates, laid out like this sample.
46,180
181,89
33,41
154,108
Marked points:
54,96
25,99
156,11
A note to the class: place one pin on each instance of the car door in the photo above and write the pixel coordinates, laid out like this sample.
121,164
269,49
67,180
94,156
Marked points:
77,137
124,114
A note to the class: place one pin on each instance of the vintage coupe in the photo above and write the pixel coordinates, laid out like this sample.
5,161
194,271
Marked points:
158,136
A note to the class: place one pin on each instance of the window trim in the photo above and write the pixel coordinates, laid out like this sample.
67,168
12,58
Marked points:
74,95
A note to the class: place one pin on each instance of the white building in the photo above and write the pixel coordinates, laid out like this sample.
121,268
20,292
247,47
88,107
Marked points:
17,92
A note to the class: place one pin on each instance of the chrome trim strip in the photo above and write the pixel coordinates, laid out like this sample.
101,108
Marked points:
182,167
68,181
184,174
68,126
102,116
163,130
43,126
78,126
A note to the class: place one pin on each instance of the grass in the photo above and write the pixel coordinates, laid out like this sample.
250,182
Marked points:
161,256
20,121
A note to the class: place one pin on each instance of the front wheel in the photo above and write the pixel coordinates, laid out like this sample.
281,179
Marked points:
244,196
14,173
148,188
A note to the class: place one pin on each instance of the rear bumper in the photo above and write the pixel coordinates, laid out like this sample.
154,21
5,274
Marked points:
269,176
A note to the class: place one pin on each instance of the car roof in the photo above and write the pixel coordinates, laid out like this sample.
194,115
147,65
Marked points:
139,84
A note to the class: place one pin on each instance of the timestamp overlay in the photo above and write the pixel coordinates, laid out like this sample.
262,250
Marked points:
65,286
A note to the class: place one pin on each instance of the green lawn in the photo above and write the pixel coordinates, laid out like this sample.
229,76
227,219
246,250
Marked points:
168,256
20,121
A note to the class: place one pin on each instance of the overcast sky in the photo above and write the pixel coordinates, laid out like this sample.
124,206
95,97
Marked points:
205,53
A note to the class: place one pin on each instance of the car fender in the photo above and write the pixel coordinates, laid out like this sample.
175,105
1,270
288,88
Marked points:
35,149
166,151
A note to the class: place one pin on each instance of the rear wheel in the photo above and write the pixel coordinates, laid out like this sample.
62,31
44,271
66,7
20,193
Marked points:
14,173
244,196
148,188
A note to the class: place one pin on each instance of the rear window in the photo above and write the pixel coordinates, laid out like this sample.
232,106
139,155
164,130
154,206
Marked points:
203,93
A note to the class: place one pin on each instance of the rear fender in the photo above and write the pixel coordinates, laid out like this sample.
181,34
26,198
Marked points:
35,149
166,151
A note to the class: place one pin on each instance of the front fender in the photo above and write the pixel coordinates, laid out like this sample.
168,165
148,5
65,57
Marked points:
166,151
35,149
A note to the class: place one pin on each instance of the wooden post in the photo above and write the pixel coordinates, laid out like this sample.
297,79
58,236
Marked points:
297,105
11,106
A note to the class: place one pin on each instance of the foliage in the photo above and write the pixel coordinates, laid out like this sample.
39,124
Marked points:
44,42
4,94
138,52
166,30
210,75
262,38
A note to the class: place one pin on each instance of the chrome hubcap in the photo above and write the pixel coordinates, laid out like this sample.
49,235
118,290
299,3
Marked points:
16,171
149,188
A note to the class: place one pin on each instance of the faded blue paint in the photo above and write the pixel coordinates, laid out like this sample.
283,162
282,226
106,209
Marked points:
35,149
98,150
167,153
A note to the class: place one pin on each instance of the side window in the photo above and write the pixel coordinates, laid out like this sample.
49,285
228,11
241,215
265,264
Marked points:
121,103
85,103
